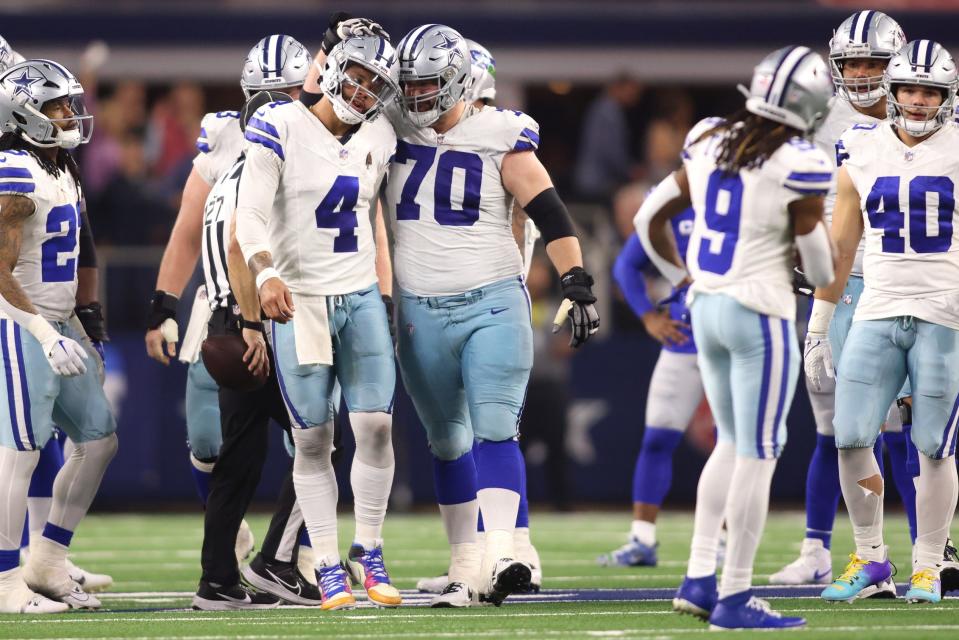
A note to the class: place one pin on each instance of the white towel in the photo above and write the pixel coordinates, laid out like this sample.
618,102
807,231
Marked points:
196,330
311,330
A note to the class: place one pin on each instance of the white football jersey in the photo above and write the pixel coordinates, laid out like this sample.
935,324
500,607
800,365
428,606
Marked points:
742,241
217,218
320,231
219,144
841,117
450,213
908,201
46,268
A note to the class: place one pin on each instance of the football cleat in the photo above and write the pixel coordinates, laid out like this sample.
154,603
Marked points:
366,567
50,579
813,566
210,597
455,595
632,554
90,582
526,552
924,587
433,585
283,580
884,590
696,596
745,611
335,588
858,575
16,597
508,576
244,542
949,572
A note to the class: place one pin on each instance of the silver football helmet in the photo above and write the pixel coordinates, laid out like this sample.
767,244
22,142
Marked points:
8,57
864,34
276,62
790,86
26,87
376,89
928,64
433,52
483,71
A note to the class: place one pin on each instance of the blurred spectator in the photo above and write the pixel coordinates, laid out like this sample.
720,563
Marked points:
664,142
173,129
122,112
604,161
626,203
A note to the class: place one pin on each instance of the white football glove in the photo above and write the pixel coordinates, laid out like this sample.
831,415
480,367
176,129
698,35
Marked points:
65,356
817,363
360,27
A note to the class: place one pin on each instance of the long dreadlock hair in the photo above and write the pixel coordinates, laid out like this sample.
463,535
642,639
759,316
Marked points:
63,162
747,140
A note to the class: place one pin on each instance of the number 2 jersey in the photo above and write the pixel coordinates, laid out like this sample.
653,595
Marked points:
449,210
742,241
46,268
907,198
320,234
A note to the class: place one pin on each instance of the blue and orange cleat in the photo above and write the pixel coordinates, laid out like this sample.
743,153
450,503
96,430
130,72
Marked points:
335,588
632,554
858,575
924,587
696,596
366,567
745,611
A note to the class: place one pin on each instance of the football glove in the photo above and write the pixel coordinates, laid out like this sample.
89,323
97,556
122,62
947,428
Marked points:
91,317
390,313
817,363
802,286
65,356
577,306
343,25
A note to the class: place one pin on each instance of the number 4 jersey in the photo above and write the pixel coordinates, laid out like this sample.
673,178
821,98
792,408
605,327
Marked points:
907,198
742,241
47,266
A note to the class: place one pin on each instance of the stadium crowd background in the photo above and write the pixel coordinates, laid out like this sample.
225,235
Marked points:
615,87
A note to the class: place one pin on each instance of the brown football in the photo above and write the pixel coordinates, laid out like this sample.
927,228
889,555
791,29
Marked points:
223,358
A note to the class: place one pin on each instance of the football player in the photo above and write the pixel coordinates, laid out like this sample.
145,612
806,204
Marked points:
897,185
303,224
859,51
45,362
757,185
464,338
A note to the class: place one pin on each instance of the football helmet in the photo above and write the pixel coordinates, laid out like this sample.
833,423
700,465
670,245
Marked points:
377,56
483,72
8,57
26,87
790,86
925,63
433,52
864,34
276,62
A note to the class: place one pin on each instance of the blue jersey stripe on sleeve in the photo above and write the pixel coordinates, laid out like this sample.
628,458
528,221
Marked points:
797,176
16,187
15,172
265,127
276,147
809,191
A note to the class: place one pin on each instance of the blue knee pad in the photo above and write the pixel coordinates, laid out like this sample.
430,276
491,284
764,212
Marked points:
204,433
654,465
455,480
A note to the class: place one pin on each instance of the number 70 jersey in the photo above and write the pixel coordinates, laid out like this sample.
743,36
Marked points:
742,242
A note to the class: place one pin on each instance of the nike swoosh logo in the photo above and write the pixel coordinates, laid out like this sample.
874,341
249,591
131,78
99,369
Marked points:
498,310
292,587
245,600
820,575
362,293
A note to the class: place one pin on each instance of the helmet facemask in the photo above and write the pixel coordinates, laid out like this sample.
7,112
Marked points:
862,92
935,116
423,109
360,92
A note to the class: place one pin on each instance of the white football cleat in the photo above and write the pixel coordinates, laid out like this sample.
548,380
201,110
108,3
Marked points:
526,552
814,566
433,585
16,597
90,582
455,595
46,574
244,542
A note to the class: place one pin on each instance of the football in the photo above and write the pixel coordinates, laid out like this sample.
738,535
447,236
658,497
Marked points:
223,357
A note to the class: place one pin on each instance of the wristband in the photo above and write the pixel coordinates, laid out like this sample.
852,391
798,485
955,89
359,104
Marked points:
42,330
162,306
820,316
253,325
265,275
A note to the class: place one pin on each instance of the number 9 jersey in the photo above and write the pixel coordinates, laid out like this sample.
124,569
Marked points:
907,197
451,214
46,268
742,241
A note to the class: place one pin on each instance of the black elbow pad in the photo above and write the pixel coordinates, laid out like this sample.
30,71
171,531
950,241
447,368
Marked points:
549,214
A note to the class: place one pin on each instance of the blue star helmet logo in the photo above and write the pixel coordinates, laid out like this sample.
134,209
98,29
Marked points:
448,42
24,82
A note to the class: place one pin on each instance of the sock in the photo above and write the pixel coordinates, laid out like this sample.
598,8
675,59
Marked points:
746,507
40,494
896,445
822,490
877,451
202,470
371,475
862,490
912,453
316,489
654,465
498,479
522,512
77,483
16,468
455,483
644,531
937,488
710,509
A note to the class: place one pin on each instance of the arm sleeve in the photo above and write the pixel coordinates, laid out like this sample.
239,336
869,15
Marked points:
627,271
664,192
815,250
257,189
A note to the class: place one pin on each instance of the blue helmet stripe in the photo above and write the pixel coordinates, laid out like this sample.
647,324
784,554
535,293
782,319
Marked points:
772,81
915,52
411,45
379,51
782,94
929,46
278,61
265,65
852,27
865,28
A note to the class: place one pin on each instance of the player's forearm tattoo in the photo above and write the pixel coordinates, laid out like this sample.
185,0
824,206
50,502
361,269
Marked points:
260,261
13,211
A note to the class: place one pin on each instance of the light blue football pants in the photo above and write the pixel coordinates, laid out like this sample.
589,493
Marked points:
203,431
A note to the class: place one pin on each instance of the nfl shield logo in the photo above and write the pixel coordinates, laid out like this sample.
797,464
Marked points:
344,154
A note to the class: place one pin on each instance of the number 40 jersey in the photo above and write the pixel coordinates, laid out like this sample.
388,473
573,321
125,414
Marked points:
742,241
46,268
908,203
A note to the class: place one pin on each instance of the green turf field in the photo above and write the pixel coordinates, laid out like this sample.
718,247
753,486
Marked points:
155,562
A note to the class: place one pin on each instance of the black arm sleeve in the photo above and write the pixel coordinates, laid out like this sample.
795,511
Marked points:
309,98
549,214
88,251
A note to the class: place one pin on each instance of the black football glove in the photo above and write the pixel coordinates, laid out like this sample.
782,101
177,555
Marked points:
390,311
91,317
584,320
802,286
343,25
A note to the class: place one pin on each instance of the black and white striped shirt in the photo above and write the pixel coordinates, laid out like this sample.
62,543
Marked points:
217,217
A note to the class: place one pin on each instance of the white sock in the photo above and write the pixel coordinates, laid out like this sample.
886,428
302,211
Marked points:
16,469
710,509
465,564
77,482
38,512
937,488
499,507
371,494
316,490
746,507
863,490
459,521
644,531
